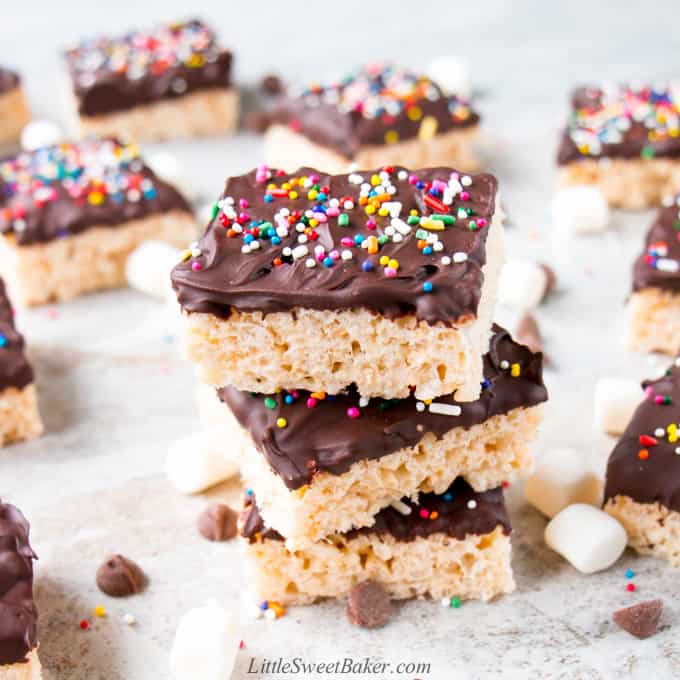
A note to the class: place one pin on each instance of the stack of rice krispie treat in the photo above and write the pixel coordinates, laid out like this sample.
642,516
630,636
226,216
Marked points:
626,140
14,111
346,322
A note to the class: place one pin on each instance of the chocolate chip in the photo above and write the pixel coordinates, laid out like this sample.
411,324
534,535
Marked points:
218,522
257,121
369,605
271,85
528,333
120,577
640,620
550,278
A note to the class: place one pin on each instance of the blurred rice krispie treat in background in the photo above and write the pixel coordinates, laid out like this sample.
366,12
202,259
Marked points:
14,111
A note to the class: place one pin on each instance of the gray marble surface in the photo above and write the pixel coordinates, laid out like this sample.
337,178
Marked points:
114,392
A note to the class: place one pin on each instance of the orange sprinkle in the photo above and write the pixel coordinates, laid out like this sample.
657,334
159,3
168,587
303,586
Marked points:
643,454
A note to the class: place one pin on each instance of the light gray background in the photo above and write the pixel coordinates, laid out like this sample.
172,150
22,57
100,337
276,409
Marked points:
114,393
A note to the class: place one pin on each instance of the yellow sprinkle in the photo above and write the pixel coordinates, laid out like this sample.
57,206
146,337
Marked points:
414,113
196,60
271,186
318,395
100,611
312,194
414,212
515,370
432,225
96,198
428,128
383,212
286,186
427,401
313,222
186,254
281,422
672,433
293,195
375,180
384,260
393,263
391,137
370,209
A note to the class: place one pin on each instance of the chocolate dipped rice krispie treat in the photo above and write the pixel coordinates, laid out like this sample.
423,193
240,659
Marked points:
19,416
456,544
173,80
70,215
18,613
653,310
323,464
380,114
626,140
14,111
383,279
642,488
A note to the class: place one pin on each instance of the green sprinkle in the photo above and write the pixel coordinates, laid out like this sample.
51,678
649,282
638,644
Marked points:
270,402
648,152
676,225
422,234
455,602
413,219
472,225
382,240
343,219
446,219
215,210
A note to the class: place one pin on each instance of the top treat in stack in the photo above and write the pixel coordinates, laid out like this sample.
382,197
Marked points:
626,140
173,80
378,114
385,279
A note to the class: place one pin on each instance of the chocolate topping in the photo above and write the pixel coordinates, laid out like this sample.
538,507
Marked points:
622,122
369,605
460,511
18,613
325,438
659,265
144,67
278,242
380,104
645,464
640,620
218,522
119,576
15,371
8,80
63,190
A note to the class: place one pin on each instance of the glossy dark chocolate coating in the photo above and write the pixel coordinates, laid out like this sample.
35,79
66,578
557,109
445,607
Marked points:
15,371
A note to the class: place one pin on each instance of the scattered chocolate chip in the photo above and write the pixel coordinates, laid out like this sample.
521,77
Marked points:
640,620
528,333
271,85
550,279
369,605
120,577
257,121
218,522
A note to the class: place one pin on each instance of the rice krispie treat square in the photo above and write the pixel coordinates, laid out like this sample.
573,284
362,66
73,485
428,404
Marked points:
70,215
323,464
14,111
19,415
18,614
310,281
626,140
380,114
456,544
173,80
653,310
642,488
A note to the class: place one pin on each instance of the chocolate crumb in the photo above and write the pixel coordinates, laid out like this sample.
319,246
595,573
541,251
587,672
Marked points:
529,334
550,279
271,85
640,620
218,522
119,576
369,605
257,121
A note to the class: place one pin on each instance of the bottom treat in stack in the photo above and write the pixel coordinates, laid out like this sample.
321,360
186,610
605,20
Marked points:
642,489
18,614
455,544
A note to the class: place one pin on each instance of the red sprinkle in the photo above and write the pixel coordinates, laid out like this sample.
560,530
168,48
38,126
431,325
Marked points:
435,204
84,624
646,440
630,587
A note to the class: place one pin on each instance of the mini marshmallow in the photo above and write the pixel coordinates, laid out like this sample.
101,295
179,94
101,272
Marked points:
40,133
615,401
169,168
588,538
201,460
451,73
580,209
148,266
206,644
523,284
562,477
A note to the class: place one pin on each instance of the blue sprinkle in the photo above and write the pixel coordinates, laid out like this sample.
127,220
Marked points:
359,238
420,185
448,496
276,240
3,340
427,250
630,573
367,266
248,238
268,198
289,399
151,193
249,492
264,606
427,287
328,261
486,384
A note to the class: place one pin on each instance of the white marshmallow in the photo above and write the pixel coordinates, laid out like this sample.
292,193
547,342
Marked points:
615,401
148,266
580,209
206,644
451,73
561,478
211,411
523,284
169,168
201,460
40,133
587,537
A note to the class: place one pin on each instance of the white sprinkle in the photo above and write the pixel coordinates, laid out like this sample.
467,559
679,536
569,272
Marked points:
446,260
196,252
255,245
677,362
659,432
462,214
355,179
390,231
667,265
400,226
445,409
334,203
346,255
505,364
270,615
420,407
348,205
393,207
363,402
281,231
438,246
245,249
445,602
401,507
319,250
678,450
300,227
460,257
302,238
466,180
129,619
402,175
471,505
287,252
397,238
310,263
300,252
